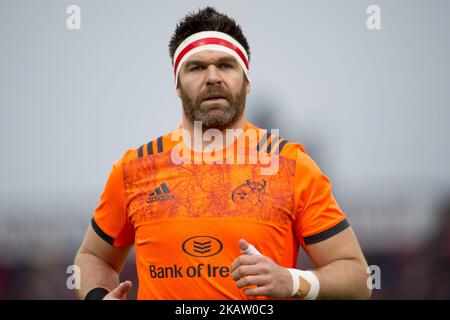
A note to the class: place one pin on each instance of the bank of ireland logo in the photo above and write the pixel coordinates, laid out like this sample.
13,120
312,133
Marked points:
202,246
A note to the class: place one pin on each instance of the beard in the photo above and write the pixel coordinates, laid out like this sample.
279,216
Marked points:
220,115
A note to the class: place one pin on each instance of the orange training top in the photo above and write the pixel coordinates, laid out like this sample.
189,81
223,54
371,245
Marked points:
185,219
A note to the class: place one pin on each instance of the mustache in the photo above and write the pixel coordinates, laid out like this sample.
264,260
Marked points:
214,93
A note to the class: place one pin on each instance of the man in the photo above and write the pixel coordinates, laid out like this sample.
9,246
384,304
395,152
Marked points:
220,222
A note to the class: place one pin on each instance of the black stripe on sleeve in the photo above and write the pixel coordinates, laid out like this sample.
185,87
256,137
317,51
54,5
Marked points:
327,233
100,233
160,144
150,148
272,142
280,146
141,151
263,140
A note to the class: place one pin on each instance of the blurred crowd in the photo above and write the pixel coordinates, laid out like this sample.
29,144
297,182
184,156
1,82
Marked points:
418,272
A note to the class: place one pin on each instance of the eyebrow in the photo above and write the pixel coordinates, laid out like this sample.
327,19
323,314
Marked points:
202,62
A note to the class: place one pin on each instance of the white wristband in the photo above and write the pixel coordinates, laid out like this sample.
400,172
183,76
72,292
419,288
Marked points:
308,276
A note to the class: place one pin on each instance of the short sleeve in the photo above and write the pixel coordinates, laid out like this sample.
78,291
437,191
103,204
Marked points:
110,219
318,215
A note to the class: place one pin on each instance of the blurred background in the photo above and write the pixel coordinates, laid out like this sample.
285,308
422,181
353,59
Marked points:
372,107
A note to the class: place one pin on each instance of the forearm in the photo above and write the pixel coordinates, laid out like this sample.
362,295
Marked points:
95,273
343,279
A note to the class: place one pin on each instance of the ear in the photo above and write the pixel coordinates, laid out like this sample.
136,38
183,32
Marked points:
247,87
179,90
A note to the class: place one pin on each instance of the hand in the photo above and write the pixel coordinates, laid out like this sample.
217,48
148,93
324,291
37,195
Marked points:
119,293
271,279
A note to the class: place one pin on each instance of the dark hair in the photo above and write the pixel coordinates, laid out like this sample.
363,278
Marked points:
207,19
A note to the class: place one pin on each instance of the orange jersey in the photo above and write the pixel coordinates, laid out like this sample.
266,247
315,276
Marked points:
185,220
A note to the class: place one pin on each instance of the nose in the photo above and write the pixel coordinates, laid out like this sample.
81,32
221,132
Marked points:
212,75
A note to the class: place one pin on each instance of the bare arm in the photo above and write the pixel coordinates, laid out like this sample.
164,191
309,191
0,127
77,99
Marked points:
100,263
342,268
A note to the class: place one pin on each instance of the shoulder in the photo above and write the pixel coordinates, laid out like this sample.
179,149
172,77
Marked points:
270,141
153,147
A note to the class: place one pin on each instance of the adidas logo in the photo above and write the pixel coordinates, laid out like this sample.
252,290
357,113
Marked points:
162,193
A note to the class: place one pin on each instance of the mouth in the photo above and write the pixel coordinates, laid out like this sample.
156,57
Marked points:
214,98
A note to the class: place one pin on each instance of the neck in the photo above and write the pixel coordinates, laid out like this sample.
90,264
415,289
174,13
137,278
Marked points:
189,126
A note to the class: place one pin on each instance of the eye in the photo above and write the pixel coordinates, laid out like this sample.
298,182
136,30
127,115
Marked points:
196,68
225,66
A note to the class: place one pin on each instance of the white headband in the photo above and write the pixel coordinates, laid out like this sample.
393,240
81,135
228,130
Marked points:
209,40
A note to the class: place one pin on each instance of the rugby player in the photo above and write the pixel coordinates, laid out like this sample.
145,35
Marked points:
214,222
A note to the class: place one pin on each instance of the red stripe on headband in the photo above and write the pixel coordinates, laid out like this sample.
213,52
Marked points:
205,41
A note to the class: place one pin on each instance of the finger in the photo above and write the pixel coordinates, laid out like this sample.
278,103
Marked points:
243,245
247,248
245,260
246,270
258,291
121,290
252,280
125,289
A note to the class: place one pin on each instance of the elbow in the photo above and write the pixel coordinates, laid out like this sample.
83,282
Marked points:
361,290
364,286
365,292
